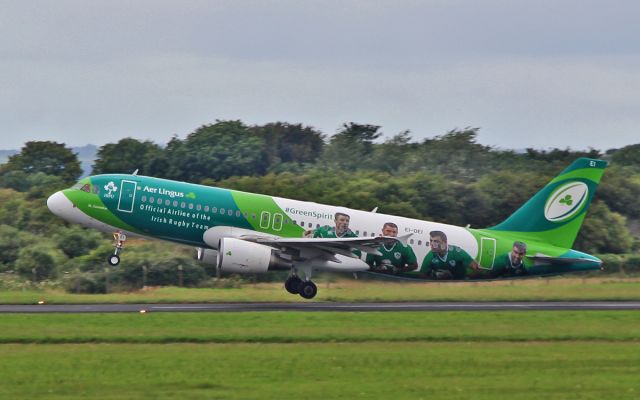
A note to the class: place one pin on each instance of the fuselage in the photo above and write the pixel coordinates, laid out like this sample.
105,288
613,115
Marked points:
183,212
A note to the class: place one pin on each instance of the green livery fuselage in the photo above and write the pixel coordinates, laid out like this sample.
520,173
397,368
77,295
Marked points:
182,212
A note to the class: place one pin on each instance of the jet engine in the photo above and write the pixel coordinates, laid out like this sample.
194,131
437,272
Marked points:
207,256
241,256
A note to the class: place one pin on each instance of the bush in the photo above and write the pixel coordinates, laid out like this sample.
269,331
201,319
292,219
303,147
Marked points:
86,284
632,264
35,261
612,263
76,241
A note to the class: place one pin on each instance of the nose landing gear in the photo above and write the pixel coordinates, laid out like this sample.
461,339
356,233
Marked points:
118,242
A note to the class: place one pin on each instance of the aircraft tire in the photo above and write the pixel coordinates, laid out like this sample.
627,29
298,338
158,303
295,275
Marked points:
308,290
292,284
113,260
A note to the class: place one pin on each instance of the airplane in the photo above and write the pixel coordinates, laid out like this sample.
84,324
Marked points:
240,232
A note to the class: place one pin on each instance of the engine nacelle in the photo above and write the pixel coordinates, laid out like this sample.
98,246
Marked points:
241,256
213,236
207,256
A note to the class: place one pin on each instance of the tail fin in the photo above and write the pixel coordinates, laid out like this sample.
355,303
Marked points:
555,214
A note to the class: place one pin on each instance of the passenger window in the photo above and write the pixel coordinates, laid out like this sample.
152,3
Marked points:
230,212
144,199
167,202
190,206
419,242
310,225
152,200
411,241
183,204
214,210
175,203
198,207
364,233
222,211
238,214
302,224
206,208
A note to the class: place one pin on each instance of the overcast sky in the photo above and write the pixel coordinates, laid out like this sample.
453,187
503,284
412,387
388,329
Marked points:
528,73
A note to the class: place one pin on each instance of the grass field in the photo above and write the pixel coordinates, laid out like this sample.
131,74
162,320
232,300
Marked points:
336,355
275,355
363,291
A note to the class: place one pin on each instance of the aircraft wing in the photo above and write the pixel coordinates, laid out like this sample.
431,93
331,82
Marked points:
342,246
559,260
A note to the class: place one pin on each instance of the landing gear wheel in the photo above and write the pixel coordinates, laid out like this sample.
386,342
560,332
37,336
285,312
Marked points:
113,260
292,284
308,290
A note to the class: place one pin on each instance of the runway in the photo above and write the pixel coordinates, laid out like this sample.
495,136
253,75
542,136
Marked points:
324,306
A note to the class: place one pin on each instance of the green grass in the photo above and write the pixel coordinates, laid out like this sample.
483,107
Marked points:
370,370
321,355
362,291
322,327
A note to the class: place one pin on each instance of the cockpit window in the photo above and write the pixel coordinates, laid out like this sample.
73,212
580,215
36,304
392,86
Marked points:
96,189
86,188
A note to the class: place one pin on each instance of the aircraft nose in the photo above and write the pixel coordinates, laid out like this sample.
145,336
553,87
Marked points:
58,203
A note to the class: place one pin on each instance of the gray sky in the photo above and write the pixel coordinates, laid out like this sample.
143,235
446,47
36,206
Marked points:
528,73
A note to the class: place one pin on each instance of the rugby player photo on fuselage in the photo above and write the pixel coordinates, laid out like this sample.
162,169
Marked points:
395,257
446,261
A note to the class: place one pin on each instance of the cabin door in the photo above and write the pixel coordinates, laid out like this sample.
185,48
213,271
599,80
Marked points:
487,252
127,195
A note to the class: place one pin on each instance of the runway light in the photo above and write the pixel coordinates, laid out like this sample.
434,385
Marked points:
41,302
143,311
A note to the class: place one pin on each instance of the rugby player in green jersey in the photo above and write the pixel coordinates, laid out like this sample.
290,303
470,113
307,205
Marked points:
395,257
341,230
512,263
446,261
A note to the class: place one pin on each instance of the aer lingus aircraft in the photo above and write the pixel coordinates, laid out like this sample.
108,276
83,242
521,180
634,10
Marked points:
243,232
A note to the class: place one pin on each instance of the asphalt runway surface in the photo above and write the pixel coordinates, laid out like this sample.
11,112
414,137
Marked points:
324,306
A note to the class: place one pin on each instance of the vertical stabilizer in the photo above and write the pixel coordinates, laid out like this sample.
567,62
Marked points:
555,214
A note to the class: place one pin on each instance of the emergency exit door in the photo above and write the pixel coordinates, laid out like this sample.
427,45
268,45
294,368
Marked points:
487,252
127,195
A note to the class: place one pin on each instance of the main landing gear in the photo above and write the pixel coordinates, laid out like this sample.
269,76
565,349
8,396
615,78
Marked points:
118,242
305,288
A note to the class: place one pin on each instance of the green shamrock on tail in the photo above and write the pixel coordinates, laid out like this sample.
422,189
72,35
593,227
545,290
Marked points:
567,200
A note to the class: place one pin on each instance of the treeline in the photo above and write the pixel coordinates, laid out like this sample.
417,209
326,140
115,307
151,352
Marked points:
449,178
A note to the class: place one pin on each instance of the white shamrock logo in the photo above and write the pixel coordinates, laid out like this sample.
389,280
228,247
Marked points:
111,187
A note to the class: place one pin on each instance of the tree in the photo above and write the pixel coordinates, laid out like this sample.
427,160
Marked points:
290,143
217,151
628,155
126,156
50,158
604,231
351,148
